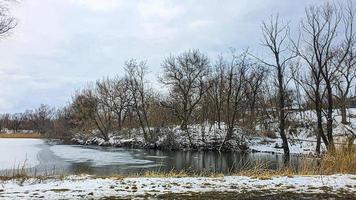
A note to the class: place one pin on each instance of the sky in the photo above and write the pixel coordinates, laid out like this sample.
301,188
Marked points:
60,46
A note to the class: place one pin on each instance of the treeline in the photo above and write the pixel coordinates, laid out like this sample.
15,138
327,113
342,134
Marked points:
312,70
199,91
39,120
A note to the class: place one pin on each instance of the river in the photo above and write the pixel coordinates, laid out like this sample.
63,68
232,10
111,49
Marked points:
39,157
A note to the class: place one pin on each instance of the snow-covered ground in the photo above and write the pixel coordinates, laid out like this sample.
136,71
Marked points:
303,139
297,146
83,187
16,153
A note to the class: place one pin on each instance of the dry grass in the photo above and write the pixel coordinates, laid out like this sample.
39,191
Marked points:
20,135
341,161
176,174
260,170
21,172
157,174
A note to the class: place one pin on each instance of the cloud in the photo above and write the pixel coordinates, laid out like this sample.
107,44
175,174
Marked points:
60,45
201,24
160,10
98,5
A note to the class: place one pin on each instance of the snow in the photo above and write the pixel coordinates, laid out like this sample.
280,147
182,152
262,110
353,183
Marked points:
304,141
18,153
301,136
82,187
297,145
95,156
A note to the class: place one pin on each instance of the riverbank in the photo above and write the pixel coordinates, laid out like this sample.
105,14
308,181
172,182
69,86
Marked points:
212,137
303,143
20,135
79,187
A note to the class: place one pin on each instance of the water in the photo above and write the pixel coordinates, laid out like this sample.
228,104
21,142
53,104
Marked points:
43,158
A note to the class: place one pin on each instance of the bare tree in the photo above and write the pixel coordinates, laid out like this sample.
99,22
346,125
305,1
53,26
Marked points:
186,76
255,80
236,79
344,83
234,83
114,94
216,91
90,115
82,112
7,22
102,118
320,31
344,61
276,40
137,85
41,118
311,81
4,121
15,122
61,124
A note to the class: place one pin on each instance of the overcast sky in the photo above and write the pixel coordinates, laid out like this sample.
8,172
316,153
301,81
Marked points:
61,45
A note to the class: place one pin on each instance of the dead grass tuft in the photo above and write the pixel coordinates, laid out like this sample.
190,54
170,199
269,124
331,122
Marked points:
342,160
176,174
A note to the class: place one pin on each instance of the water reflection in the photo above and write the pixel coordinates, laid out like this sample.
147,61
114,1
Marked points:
214,161
108,160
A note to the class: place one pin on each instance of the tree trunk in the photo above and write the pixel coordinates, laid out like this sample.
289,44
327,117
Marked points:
318,144
142,125
119,121
343,112
282,116
230,131
320,131
284,138
329,124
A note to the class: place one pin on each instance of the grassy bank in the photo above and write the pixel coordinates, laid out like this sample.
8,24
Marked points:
20,135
